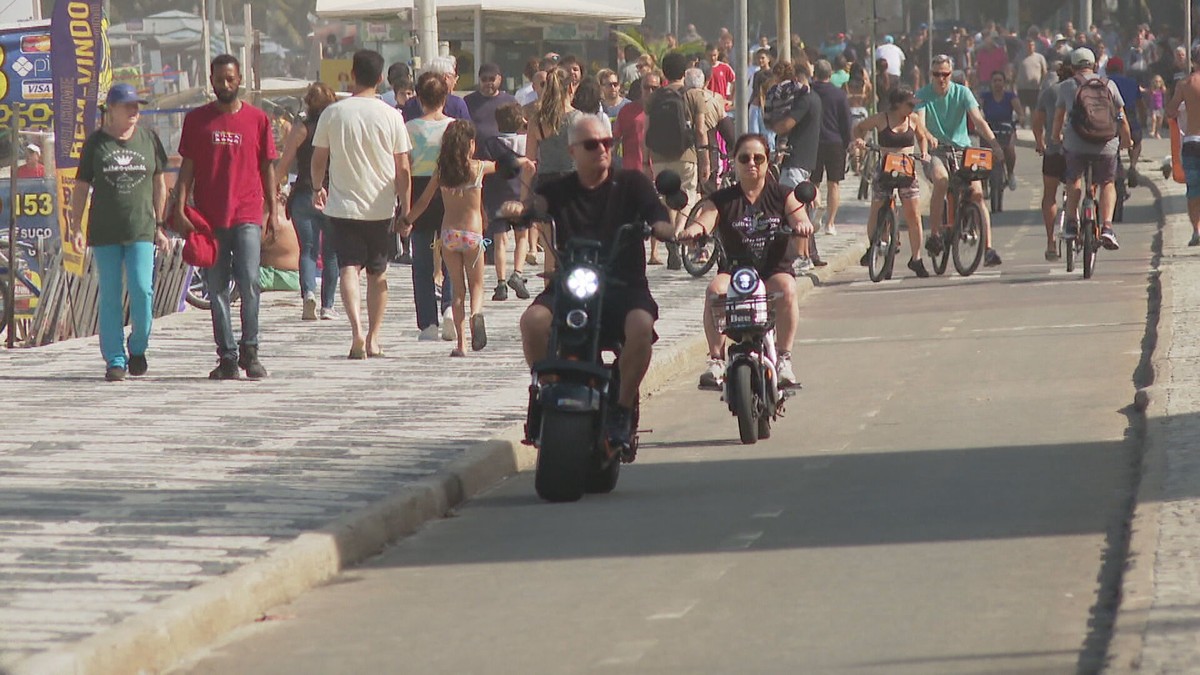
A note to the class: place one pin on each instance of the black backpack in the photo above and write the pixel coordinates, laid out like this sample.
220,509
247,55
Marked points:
668,133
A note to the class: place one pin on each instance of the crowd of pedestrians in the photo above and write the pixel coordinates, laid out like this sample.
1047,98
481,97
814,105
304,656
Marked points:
412,175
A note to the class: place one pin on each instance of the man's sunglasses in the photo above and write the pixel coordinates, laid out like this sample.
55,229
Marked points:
758,159
614,83
940,76
592,144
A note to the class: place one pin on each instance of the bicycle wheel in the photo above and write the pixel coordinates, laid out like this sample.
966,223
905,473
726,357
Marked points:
967,240
4,308
1122,196
882,243
1091,242
698,256
866,175
1069,252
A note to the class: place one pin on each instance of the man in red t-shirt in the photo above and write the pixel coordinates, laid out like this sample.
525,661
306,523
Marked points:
721,77
228,152
33,167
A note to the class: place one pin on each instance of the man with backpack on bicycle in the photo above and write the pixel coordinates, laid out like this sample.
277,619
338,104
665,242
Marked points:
1090,122
944,107
675,126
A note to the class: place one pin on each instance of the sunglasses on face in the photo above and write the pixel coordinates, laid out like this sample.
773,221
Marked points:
614,83
940,76
758,159
592,144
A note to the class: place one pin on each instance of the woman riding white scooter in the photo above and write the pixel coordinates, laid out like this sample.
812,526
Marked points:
752,209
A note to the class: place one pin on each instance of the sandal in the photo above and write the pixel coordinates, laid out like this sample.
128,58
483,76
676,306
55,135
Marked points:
456,353
478,333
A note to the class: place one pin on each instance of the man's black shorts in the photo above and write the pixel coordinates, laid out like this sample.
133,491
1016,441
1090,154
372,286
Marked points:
831,162
617,304
1054,166
362,243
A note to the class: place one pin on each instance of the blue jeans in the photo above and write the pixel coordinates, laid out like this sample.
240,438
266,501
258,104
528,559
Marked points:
758,126
429,310
312,228
1191,173
135,263
237,259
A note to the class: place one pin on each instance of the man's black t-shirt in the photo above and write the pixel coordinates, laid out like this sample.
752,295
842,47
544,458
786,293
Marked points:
627,196
747,230
806,135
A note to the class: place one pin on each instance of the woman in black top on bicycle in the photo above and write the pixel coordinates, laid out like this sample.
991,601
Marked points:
900,132
752,209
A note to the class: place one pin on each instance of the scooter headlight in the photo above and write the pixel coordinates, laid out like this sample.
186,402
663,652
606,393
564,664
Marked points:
744,280
583,282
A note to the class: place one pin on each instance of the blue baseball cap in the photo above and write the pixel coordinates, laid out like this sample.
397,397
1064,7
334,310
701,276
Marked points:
888,39
123,93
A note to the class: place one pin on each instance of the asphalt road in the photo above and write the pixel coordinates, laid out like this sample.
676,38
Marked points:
946,495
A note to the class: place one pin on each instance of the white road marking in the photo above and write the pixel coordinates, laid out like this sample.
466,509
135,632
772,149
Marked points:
712,574
872,413
677,614
743,540
768,514
1065,326
852,340
628,653
948,329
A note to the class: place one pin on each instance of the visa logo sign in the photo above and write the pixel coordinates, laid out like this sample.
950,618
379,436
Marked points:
37,90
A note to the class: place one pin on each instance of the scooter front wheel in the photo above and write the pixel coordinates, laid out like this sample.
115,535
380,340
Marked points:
741,389
564,455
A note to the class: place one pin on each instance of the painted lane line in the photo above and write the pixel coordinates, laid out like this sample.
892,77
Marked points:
768,514
1065,326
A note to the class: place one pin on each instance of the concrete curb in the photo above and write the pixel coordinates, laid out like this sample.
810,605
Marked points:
1136,593
167,634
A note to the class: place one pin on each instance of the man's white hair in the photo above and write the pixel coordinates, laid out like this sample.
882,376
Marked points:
583,122
443,65
693,78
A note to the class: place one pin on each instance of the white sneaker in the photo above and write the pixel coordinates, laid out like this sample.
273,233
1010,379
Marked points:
310,307
328,314
449,333
787,378
830,229
429,334
714,376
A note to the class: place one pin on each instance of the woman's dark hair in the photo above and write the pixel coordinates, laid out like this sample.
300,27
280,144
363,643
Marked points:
899,96
432,91
318,97
454,160
857,72
635,91
746,138
587,96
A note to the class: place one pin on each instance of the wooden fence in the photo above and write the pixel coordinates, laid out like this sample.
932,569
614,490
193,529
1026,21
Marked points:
67,306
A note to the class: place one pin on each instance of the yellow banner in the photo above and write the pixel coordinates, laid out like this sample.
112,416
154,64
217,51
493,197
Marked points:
72,258
336,74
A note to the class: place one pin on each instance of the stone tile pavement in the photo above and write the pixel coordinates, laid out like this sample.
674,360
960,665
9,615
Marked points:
1172,624
115,497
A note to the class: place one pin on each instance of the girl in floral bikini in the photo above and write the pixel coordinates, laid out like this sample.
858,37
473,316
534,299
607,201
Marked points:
460,179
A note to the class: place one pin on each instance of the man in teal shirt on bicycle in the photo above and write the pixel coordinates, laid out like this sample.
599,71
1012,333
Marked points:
945,106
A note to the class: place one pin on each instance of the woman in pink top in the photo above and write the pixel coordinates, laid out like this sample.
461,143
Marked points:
630,129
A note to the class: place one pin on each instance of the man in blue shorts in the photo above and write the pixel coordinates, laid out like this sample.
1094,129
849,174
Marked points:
1187,92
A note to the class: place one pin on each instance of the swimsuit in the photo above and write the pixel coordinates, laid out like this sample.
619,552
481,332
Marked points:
462,241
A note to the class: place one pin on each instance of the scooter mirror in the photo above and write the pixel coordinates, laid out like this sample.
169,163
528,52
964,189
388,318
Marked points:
670,186
806,192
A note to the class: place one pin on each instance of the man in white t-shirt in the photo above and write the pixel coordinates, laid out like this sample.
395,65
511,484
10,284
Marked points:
364,144
889,52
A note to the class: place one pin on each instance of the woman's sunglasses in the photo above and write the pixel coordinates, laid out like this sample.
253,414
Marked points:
592,144
746,158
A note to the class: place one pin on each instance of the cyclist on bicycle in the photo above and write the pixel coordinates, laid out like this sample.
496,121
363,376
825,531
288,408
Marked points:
1082,154
944,107
1000,106
900,132
751,209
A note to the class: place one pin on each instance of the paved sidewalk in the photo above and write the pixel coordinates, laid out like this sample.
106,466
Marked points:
1170,495
116,497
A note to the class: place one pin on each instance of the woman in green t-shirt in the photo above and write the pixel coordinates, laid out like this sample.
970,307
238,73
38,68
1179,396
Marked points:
122,166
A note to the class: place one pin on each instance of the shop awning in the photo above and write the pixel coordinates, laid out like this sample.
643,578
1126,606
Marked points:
615,11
